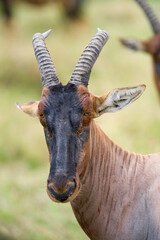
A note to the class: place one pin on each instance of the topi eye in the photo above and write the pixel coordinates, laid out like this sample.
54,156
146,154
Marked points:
41,115
42,119
86,114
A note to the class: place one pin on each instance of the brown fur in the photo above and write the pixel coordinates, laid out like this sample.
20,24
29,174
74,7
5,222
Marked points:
114,182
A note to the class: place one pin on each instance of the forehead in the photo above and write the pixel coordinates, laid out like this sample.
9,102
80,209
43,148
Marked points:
65,97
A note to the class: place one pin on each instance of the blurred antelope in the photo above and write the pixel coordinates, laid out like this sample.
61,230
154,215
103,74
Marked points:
71,7
151,46
114,194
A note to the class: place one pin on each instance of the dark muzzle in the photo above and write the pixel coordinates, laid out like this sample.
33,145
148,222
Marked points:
62,197
62,189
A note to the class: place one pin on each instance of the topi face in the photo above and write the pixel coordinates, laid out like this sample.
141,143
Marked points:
65,114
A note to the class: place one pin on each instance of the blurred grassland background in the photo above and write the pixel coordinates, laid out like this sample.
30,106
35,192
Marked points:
26,212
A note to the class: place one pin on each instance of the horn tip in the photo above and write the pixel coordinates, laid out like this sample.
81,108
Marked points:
99,30
46,34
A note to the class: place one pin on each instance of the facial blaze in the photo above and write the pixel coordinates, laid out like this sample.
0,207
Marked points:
65,113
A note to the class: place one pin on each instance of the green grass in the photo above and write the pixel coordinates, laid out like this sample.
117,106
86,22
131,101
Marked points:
26,212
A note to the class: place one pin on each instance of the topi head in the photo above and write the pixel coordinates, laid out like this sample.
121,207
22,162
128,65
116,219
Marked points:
67,112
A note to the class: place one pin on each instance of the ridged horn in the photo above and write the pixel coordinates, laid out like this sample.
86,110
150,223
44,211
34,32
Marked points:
46,66
153,19
84,66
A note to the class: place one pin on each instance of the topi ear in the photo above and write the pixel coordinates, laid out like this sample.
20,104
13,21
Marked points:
134,44
117,99
29,108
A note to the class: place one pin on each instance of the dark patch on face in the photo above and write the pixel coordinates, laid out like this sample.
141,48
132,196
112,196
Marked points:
62,115
63,107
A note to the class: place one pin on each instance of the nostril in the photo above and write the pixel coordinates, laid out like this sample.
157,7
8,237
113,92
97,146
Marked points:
49,180
51,188
50,184
74,182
